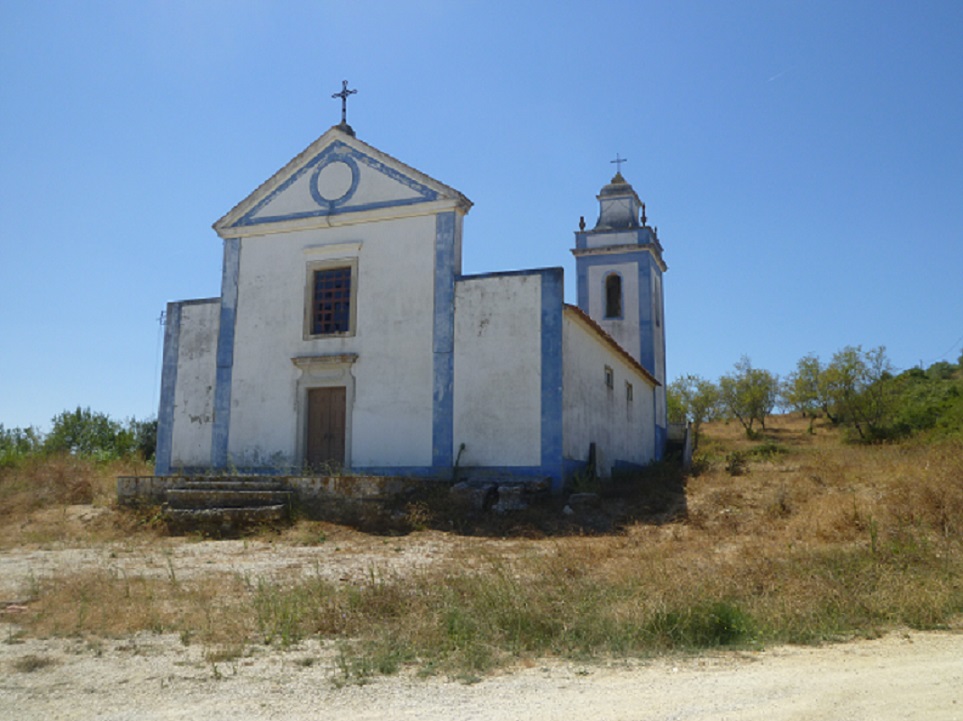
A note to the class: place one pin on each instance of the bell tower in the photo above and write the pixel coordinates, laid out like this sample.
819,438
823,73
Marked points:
619,271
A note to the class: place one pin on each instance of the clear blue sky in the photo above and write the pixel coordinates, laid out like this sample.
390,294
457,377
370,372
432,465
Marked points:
802,160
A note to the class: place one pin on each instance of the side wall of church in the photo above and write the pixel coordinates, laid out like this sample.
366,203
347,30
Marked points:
498,360
599,406
390,387
186,410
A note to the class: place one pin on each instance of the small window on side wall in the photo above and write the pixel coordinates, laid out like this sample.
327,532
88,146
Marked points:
609,378
613,296
628,392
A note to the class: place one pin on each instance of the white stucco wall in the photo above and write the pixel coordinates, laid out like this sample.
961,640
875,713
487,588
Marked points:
497,394
622,430
194,391
391,407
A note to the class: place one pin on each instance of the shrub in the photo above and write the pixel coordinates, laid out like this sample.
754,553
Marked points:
769,449
82,433
85,433
18,443
737,463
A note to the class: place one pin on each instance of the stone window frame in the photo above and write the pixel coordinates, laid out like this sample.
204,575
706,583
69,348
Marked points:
315,266
324,371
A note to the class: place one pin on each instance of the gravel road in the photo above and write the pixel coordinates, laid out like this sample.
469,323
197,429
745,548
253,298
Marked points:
153,677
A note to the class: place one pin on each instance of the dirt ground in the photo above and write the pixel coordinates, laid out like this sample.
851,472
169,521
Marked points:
155,676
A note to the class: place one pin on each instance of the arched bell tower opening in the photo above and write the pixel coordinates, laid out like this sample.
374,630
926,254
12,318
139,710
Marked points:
619,269
613,296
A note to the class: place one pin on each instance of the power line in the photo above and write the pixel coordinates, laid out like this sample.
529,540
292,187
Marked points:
952,348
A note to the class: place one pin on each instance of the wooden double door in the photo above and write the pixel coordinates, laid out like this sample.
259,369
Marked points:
326,428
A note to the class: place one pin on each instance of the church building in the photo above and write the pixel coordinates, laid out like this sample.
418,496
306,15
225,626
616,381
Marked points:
347,339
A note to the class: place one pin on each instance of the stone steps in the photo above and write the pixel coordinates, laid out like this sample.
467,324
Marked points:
223,507
196,498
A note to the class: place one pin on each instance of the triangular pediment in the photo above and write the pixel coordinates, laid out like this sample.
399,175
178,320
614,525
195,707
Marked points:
336,177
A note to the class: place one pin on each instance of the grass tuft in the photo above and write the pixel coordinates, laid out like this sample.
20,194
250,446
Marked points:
32,662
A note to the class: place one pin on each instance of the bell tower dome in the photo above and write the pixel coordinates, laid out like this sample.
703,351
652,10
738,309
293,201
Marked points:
619,269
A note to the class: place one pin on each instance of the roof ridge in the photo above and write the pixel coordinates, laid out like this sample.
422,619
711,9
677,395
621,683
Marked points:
611,341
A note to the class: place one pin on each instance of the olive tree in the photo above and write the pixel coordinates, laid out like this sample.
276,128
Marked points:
858,389
693,399
807,390
749,394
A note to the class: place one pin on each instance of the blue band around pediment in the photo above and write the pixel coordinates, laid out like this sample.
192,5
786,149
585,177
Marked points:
330,204
337,152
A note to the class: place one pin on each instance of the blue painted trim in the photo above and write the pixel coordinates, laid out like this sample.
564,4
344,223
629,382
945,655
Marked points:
661,423
619,465
493,472
337,151
443,344
430,472
396,471
426,472
502,472
582,286
572,467
165,411
661,438
509,273
553,301
646,321
644,236
330,205
220,432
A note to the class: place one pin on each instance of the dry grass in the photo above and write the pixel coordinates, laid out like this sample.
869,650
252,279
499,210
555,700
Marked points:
40,500
31,663
816,540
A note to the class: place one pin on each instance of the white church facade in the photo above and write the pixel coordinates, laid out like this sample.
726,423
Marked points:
347,338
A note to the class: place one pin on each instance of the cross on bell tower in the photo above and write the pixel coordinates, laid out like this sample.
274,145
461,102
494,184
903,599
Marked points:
618,163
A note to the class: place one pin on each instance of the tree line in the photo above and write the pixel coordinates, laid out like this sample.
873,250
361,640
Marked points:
856,389
81,432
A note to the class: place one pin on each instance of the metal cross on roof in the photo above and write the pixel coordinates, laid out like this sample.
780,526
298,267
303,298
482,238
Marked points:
618,162
344,100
